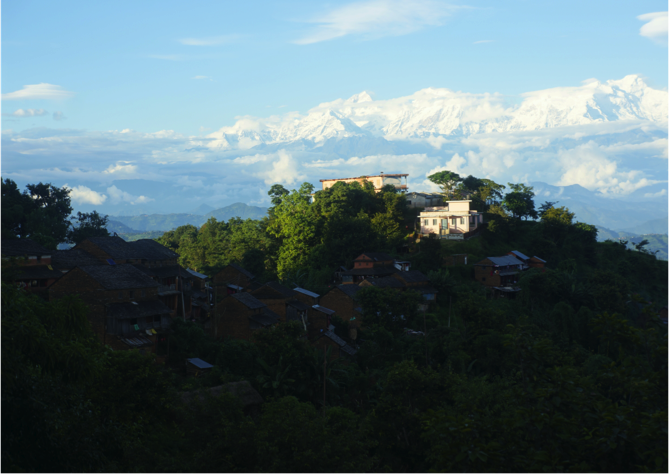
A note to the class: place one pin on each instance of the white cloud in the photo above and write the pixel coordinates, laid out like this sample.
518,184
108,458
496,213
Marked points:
116,196
660,193
120,170
85,195
376,19
58,116
249,160
284,170
23,113
202,78
39,91
655,27
210,41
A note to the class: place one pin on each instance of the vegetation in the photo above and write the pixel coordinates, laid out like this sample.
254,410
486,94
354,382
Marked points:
569,376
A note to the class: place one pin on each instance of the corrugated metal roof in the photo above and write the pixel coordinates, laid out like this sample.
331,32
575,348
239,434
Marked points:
306,292
540,259
323,309
505,260
202,276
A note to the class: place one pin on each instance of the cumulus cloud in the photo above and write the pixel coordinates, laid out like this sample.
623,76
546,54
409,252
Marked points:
376,19
58,116
285,170
23,113
655,27
121,170
85,195
209,41
116,196
39,91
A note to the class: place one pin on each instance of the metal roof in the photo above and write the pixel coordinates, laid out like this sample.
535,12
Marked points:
323,309
201,276
540,259
306,292
199,363
505,260
248,300
520,255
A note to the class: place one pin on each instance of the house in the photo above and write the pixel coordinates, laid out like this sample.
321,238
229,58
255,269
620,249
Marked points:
233,279
383,282
240,314
33,270
417,281
66,260
528,262
423,200
147,252
370,265
275,296
536,262
499,273
202,297
454,220
175,287
124,307
197,367
341,299
379,181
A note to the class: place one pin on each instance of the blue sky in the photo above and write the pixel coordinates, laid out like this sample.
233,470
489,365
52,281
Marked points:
84,68
130,64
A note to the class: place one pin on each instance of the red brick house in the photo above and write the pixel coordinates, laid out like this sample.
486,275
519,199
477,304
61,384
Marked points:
233,279
341,299
275,296
114,294
147,252
240,314
369,265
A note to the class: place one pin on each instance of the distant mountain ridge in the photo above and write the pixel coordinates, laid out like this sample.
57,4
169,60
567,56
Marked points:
165,222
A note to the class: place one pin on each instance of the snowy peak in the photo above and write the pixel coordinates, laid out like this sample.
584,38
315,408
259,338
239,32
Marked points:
435,112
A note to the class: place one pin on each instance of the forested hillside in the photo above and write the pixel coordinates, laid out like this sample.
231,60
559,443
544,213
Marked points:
569,376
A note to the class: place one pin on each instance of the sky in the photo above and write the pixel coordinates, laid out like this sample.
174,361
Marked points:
129,82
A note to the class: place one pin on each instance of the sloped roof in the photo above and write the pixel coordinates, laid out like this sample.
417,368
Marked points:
119,277
385,270
67,259
306,292
376,256
540,259
201,276
350,290
299,305
149,249
266,318
323,309
502,261
413,276
248,274
115,247
248,300
520,255
274,288
386,282
199,363
171,271
23,247
141,309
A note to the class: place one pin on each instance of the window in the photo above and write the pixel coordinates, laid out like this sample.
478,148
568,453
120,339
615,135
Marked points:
409,202
131,294
434,221
462,220
120,295
427,222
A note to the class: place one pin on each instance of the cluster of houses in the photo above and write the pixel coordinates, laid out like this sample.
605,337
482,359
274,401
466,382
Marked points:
135,289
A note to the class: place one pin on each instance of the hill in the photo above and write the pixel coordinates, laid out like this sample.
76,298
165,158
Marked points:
165,222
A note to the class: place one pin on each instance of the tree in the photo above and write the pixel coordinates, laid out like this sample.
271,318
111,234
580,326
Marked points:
87,225
557,216
387,308
277,192
545,207
447,180
520,201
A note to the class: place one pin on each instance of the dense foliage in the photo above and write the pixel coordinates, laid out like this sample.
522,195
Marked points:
570,376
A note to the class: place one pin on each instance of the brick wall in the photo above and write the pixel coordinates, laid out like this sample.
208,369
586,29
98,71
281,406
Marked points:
342,304
231,275
482,275
232,319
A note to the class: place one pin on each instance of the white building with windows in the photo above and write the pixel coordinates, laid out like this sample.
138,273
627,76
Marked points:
454,220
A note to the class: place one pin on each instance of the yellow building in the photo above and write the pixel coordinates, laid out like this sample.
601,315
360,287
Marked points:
378,181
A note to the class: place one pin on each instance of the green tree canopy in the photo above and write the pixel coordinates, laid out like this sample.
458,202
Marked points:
448,181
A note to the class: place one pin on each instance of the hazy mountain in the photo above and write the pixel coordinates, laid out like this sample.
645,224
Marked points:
238,209
165,222
599,210
655,226
202,209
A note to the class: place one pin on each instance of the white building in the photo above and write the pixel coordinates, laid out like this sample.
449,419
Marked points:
454,220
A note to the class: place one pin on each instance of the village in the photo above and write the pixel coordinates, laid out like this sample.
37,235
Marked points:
134,290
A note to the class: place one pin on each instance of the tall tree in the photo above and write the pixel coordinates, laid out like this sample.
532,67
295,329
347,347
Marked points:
448,180
88,224
520,201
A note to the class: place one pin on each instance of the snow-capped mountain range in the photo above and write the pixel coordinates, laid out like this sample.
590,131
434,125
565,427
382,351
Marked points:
432,112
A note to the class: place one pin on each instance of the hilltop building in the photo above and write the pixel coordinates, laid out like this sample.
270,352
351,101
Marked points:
379,181
454,220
